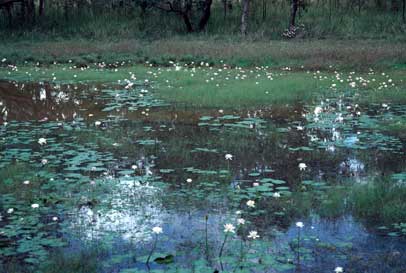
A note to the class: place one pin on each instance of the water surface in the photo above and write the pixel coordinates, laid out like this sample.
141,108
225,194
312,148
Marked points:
118,162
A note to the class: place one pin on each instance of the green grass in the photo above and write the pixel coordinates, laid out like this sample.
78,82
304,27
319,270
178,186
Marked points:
66,74
226,88
391,95
191,90
380,201
201,91
205,87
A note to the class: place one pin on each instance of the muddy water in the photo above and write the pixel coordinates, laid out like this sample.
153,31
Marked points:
118,162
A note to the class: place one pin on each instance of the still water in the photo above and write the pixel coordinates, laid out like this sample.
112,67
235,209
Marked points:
91,169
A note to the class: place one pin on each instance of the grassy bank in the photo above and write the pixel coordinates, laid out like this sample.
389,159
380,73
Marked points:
312,54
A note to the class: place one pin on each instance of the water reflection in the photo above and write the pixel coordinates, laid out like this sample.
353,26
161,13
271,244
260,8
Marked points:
130,210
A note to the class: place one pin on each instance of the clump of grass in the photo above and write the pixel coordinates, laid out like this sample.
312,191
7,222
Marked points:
333,202
382,201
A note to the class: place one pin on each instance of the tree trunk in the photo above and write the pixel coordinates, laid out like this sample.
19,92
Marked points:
299,7
143,7
293,10
9,15
186,16
41,7
206,15
22,12
188,23
263,10
31,10
225,9
380,4
66,9
244,16
403,11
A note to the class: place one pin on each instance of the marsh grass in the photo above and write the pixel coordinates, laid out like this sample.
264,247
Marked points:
220,87
333,203
382,201
72,74
392,95
225,94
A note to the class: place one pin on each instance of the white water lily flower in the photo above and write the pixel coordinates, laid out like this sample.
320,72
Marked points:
251,203
302,166
44,161
34,206
300,224
240,221
97,123
229,157
229,228
42,141
54,218
339,269
10,210
42,94
189,180
253,235
157,230
26,182
276,195
134,167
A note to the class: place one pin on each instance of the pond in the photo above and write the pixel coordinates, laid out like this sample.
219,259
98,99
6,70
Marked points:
103,177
